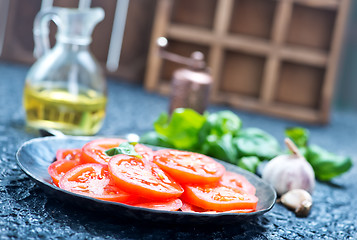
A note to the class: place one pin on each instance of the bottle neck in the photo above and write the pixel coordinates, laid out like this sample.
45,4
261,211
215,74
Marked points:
70,47
73,40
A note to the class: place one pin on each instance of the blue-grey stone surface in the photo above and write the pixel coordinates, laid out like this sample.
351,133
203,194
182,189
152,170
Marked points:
27,212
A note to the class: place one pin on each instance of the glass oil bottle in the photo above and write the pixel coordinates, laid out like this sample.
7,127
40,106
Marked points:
65,89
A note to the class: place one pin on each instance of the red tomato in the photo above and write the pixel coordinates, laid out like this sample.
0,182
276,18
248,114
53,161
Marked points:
218,197
94,151
188,167
236,180
58,168
168,205
186,207
93,180
143,178
68,154
66,160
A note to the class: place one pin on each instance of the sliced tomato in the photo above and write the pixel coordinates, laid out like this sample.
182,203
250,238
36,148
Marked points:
58,168
94,151
186,207
68,154
93,180
167,205
188,167
66,160
218,197
236,180
143,178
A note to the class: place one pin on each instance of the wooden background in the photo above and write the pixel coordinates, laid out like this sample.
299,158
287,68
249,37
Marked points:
269,56
18,46
19,41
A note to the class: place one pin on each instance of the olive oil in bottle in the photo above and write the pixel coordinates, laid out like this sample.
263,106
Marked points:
74,114
65,88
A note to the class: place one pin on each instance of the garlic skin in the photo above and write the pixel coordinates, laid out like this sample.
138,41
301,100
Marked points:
298,200
287,172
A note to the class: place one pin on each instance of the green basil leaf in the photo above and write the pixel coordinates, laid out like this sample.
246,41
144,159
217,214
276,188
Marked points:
249,163
155,139
219,124
220,148
182,128
325,164
300,136
124,148
256,142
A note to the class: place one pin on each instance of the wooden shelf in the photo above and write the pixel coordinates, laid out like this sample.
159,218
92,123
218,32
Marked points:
258,61
206,37
305,55
246,44
191,34
321,4
282,110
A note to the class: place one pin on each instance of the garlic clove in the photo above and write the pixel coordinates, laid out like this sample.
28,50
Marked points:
298,200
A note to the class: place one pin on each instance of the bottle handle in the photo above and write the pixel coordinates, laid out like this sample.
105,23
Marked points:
41,30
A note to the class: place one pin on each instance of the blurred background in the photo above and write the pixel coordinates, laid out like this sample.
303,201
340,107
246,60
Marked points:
346,86
19,44
258,62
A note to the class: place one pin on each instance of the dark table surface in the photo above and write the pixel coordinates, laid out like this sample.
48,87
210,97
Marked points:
27,212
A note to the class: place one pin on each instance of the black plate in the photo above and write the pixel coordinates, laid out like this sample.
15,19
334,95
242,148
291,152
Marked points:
36,155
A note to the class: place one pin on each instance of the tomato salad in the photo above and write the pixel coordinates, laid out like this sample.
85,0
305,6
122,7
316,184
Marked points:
133,174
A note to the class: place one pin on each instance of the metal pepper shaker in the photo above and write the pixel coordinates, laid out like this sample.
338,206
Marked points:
190,86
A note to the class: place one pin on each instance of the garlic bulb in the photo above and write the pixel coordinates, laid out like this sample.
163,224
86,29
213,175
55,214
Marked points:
298,200
287,172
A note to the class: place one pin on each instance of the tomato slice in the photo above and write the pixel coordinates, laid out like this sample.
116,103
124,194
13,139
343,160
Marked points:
66,160
94,151
58,168
188,167
143,178
93,180
186,207
68,154
167,205
218,197
236,180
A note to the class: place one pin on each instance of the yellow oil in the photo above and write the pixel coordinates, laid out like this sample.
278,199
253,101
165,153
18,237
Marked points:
73,114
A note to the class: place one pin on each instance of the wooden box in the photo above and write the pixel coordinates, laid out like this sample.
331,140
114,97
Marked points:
277,57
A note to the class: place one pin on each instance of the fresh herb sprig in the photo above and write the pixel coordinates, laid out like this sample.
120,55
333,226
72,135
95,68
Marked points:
220,135
127,148
326,165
